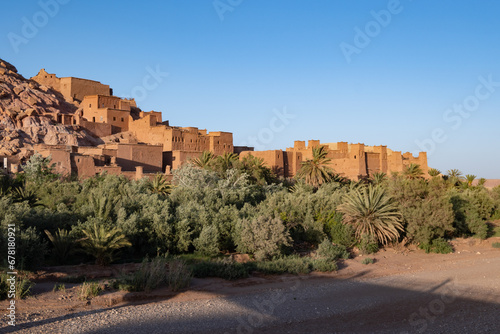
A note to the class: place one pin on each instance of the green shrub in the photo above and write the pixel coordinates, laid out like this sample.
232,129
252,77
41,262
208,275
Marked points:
208,241
368,260
324,265
89,290
155,273
286,265
179,275
31,249
341,234
368,244
495,245
59,287
440,246
263,236
329,251
425,206
22,285
222,268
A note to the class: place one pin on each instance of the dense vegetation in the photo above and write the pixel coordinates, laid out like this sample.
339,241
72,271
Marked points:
222,205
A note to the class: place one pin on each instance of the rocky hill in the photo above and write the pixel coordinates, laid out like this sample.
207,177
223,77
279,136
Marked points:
28,114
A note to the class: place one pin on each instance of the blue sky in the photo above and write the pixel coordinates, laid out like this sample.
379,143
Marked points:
417,78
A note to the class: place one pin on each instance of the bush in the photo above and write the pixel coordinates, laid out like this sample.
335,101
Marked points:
286,265
426,209
208,241
89,290
263,236
179,275
329,251
31,249
324,265
153,274
440,246
368,260
22,286
495,245
59,287
341,234
368,245
222,268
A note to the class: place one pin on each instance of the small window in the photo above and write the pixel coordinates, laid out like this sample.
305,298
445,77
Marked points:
93,119
354,157
123,120
114,118
78,160
90,105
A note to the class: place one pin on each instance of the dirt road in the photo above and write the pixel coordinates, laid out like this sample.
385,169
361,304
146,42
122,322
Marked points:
419,293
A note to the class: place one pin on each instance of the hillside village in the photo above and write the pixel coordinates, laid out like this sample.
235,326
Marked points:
86,130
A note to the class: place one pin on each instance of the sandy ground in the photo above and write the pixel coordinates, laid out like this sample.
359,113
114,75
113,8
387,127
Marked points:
404,291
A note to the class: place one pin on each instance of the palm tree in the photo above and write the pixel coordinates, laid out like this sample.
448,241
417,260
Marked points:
454,173
205,160
62,242
481,181
159,185
413,171
256,169
470,178
103,243
372,212
225,162
454,176
379,177
434,172
316,171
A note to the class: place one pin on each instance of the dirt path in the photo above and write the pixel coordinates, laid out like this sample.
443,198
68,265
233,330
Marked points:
403,292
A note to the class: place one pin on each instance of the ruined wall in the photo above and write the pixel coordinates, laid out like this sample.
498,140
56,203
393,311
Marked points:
60,156
83,165
77,89
71,88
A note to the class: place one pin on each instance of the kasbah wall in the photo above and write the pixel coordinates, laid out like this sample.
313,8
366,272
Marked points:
353,161
157,147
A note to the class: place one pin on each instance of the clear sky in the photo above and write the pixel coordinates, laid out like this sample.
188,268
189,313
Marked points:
412,75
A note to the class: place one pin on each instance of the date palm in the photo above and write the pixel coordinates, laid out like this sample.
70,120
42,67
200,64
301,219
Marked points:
159,185
372,212
63,243
205,160
434,172
379,177
316,171
103,243
225,162
470,178
454,173
413,171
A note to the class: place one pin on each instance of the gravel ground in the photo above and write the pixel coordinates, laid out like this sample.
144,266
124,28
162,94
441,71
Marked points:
462,298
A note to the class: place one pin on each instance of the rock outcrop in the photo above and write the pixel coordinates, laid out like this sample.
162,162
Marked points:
29,114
